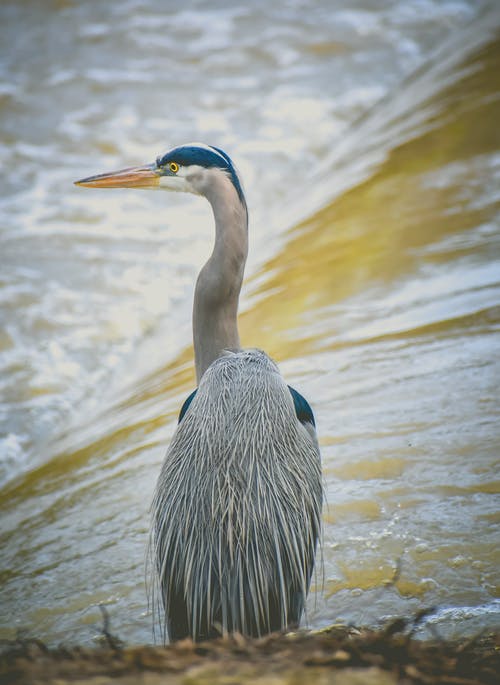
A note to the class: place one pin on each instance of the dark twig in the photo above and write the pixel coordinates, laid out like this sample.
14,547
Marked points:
114,642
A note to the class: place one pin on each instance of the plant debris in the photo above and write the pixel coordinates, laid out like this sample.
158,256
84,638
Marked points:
335,655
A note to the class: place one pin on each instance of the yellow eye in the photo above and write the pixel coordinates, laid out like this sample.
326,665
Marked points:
174,167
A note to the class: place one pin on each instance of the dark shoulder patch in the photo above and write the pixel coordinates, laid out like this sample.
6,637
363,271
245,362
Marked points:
302,407
186,404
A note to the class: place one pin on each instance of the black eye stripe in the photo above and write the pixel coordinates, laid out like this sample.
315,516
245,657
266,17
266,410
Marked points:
207,157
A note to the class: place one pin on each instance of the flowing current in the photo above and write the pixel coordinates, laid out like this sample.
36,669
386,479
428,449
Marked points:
367,137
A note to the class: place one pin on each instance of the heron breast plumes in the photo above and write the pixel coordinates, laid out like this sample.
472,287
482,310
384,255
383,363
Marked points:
234,526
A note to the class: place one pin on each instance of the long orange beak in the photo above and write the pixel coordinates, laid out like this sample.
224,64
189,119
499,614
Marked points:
134,177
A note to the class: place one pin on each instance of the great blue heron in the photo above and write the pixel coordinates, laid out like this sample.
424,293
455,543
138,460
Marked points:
236,513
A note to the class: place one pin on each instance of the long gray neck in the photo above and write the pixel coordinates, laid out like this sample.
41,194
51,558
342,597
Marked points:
215,309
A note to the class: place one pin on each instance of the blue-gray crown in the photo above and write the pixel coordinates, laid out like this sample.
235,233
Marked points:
205,156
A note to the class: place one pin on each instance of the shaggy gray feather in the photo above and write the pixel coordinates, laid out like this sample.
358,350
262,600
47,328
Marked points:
237,508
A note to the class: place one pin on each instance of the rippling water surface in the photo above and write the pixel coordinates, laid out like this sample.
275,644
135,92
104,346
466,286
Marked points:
367,135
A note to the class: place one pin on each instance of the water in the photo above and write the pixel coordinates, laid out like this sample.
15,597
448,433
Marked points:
368,140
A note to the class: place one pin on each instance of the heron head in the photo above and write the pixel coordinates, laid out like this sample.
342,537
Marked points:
188,168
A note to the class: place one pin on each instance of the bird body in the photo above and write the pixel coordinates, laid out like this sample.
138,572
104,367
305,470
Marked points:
234,476
236,514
